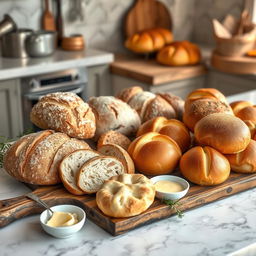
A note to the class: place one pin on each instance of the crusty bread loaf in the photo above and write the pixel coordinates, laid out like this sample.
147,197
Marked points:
127,93
64,112
244,161
197,109
114,114
226,133
113,137
173,128
125,195
179,53
70,166
34,158
97,170
154,153
121,154
204,166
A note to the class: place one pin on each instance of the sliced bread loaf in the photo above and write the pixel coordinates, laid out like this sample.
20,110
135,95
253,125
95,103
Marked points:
120,154
69,168
97,170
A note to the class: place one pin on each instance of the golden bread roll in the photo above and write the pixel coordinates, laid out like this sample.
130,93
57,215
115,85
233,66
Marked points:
127,93
244,161
226,133
252,126
173,128
154,153
245,110
197,109
204,166
149,40
64,112
238,105
179,53
125,195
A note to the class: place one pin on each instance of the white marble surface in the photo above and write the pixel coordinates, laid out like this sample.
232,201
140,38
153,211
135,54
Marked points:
219,228
17,67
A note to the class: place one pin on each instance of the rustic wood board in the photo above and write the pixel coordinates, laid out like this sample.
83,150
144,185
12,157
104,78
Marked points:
236,65
16,208
146,14
151,72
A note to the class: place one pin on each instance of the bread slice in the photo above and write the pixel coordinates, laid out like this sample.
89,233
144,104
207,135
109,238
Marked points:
70,166
120,154
113,137
97,170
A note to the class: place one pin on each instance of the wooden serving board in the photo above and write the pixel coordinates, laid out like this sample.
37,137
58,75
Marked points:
146,14
236,65
16,208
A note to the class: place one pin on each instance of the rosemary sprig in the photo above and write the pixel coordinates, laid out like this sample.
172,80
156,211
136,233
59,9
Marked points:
175,206
4,146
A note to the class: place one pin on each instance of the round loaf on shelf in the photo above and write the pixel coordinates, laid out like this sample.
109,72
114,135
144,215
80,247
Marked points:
226,133
64,112
125,195
154,153
173,128
35,158
114,114
197,109
204,166
244,161
179,53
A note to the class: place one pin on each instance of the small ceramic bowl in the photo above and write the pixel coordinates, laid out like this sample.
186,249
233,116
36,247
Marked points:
63,232
172,195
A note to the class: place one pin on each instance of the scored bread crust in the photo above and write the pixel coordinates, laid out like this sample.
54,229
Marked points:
97,170
70,166
113,137
125,195
127,93
120,154
64,112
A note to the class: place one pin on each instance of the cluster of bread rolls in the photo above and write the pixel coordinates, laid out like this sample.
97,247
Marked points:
149,105
179,53
149,40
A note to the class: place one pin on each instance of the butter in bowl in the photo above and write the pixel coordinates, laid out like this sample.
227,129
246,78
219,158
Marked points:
170,187
64,222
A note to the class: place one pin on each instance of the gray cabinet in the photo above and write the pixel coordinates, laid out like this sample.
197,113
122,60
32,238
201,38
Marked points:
10,109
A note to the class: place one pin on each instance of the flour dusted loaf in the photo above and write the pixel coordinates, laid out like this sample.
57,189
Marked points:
35,158
64,112
97,170
125,195
114,114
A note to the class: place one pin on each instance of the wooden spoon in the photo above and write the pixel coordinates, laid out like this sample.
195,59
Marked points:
48,21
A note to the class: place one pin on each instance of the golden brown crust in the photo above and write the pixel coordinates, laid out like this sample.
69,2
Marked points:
64,112
127,93
113,137
204,166
226,133
125,195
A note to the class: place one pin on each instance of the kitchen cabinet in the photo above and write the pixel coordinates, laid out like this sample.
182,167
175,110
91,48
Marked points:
10,108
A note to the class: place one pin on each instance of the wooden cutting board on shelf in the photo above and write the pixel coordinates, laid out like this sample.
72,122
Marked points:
146,14
16,208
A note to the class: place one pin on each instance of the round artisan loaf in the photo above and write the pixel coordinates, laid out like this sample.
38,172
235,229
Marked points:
154,153
197,109
173,128
121,154
244,161
114,114
125,195
245,110
113,137
204,166
35,158
226,133
64,112
127,93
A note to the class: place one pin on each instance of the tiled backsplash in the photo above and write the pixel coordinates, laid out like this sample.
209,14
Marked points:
103,19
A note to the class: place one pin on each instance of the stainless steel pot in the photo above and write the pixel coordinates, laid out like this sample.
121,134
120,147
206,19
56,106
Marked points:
13,43
41,43
7,25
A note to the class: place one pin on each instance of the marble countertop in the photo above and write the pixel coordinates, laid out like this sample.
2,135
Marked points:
224,227
17,67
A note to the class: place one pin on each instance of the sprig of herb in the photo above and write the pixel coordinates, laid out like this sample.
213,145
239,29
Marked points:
4,146
175,206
